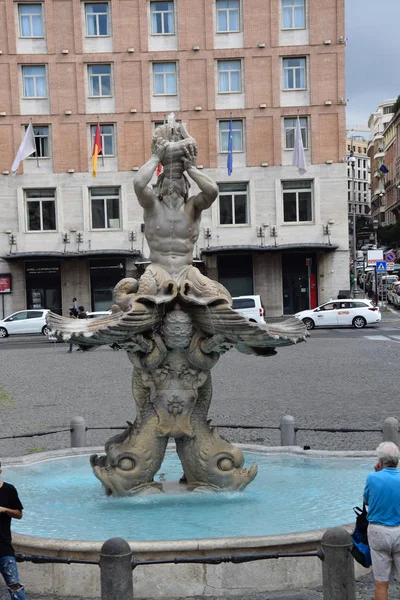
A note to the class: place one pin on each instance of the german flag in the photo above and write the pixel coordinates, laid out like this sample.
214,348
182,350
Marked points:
97,149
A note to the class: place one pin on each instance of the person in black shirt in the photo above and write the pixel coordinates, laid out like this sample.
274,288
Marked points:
10,508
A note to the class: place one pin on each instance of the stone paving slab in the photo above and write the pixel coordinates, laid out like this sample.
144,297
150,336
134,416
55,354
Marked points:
364,591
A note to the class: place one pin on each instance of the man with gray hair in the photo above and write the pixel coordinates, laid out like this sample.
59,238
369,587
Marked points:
382,496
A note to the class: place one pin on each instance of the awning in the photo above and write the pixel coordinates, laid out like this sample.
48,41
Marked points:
286,248
68,255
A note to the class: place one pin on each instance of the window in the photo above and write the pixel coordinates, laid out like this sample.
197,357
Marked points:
290,128
294,73
164,79
228,16
34,80
229,76
388,109
237,136
105,208
41,209
41,134
293,14
107,139
30,20
96,20
297,201
233,205
99,80
162,18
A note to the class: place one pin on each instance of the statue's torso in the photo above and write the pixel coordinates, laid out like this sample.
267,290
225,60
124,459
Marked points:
171,233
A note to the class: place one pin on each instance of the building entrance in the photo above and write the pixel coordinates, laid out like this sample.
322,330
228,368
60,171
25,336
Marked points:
43,285
299,280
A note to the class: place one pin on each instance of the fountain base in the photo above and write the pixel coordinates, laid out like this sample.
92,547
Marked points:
181,580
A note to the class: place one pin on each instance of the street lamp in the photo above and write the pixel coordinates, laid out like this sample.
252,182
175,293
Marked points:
351,161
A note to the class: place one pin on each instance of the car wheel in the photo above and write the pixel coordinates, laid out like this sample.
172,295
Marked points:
45,330
252,321
359,322
3,332
309,323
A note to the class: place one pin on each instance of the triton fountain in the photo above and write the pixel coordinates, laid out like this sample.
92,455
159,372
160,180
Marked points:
174,324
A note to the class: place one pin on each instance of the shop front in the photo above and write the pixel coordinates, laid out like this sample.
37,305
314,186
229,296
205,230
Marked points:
43,285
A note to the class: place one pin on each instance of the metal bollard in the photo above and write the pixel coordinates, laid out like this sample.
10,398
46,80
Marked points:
390,430
288,431
338,579
116,570
78,432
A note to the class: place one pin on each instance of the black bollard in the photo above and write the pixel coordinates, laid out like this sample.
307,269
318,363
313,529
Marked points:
116,570
338,565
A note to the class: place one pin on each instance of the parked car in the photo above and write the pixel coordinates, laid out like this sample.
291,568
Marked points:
341,313
385,281
391,291
250,307
25,322
395,295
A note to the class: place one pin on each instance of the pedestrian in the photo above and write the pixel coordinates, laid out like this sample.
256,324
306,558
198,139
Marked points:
75,308
10,508
81,315
72,316
352,284
382,496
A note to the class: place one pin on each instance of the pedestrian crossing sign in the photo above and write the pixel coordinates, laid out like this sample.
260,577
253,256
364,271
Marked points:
381,266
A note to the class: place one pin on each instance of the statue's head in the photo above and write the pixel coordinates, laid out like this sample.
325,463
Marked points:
167,186
177,329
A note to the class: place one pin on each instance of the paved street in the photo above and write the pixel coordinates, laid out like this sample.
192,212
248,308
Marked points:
339,378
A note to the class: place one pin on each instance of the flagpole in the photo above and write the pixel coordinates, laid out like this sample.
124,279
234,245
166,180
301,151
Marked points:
37,154
102,153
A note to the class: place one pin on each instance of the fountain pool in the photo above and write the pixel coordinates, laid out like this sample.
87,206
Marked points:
64,500
295,497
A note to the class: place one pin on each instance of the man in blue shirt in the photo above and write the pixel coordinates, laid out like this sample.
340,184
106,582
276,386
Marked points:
382,496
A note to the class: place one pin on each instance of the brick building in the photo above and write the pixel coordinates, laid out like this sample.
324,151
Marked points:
67,64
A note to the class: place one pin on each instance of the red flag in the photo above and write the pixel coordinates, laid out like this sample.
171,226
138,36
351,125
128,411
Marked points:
159,169
97,148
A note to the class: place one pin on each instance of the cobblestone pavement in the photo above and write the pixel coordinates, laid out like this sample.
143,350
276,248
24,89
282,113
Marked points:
342,379
339,378
364,591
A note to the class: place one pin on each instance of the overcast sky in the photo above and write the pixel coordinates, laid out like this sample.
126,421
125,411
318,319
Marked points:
372,56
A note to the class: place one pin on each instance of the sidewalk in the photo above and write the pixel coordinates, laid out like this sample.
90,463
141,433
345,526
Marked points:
364,591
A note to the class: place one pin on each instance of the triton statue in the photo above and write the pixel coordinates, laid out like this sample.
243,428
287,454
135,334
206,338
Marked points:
174,324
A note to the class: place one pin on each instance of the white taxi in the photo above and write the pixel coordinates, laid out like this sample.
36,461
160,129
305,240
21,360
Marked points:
341,313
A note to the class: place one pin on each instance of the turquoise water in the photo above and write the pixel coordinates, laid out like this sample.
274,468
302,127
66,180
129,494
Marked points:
63,499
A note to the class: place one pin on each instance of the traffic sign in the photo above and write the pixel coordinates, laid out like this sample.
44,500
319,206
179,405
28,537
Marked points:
381,266
374,256
390,257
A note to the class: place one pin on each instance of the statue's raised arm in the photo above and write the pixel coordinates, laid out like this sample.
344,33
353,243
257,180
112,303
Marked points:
143,190
209,189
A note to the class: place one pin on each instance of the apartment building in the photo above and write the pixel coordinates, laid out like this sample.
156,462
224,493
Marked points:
358,146
69,64
377,146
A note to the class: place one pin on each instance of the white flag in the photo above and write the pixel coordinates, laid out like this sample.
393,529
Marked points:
299,159
26,148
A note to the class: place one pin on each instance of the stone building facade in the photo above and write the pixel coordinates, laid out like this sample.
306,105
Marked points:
381,141
69,64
